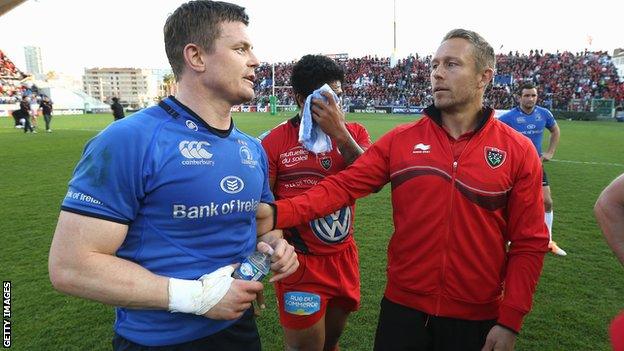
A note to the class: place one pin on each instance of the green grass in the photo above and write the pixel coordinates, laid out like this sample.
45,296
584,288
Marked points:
576,298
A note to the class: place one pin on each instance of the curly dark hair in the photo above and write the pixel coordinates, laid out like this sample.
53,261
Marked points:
312,71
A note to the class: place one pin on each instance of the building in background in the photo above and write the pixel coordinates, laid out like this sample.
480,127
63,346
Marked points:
618,62
135,87
34,63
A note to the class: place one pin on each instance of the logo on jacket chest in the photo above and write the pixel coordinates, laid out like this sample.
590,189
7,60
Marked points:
421,148
494,157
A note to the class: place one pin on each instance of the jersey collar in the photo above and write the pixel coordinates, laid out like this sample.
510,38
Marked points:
175,108
295,120
524,113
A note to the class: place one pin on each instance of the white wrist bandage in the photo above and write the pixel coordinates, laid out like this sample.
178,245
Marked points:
199,296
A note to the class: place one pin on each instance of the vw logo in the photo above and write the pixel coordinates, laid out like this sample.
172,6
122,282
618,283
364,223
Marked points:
191,125
232,184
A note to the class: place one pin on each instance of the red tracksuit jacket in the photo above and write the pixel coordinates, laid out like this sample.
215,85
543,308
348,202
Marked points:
455,206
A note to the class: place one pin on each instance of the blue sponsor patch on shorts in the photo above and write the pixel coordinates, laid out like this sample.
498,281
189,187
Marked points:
301,303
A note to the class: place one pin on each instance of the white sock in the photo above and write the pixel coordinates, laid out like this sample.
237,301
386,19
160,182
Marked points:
548,218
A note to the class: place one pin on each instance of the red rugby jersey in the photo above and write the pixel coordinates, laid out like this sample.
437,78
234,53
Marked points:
295,170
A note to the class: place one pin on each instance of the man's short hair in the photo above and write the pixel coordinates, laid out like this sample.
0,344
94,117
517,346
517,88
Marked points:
312,71
197,22
483,51
526,85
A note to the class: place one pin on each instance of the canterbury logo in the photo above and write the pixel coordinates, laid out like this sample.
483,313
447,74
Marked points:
194,149
232,184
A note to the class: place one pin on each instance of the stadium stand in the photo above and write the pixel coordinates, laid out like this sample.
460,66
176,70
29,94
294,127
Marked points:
11,87
561,76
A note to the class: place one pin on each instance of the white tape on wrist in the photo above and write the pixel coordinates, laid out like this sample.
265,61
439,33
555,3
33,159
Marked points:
184,295
199,296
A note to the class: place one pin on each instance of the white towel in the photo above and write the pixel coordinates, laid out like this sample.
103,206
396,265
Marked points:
311,136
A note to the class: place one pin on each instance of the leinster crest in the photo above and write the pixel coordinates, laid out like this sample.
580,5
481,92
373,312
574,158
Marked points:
494,157
334,227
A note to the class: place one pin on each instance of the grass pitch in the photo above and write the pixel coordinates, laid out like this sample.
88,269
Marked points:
576,298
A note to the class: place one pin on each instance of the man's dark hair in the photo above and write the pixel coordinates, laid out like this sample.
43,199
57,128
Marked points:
526,85
197,22
312,71
115,99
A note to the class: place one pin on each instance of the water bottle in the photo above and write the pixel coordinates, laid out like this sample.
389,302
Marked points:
255,266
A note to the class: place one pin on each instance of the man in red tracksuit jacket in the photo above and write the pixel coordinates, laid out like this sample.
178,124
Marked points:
463,185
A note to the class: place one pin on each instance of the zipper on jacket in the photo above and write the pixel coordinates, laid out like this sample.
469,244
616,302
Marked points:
447,236
454,166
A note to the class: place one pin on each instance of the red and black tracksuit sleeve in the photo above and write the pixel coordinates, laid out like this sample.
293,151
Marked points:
366,175
529,241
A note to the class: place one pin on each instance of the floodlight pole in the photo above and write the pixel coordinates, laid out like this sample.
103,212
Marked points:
394,22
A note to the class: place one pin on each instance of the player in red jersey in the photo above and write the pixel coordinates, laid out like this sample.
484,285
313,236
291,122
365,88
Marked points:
609,211
315,302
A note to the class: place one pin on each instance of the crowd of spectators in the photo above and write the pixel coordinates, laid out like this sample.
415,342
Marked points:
566,80
11,87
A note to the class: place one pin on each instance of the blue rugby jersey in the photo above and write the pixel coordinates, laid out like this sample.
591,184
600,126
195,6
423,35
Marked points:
532,126
187,192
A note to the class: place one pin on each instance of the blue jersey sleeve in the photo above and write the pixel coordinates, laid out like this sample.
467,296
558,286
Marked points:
108,180
550,119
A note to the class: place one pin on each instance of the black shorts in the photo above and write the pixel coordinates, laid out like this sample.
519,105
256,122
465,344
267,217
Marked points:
240,336
401,328
544,177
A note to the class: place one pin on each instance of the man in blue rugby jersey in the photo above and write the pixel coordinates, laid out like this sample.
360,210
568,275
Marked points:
162,204
531,120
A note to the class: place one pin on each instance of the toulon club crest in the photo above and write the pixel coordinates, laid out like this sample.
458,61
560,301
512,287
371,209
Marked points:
494,157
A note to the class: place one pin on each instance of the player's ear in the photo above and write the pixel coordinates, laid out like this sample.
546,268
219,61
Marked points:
486,77
194,58
300,100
